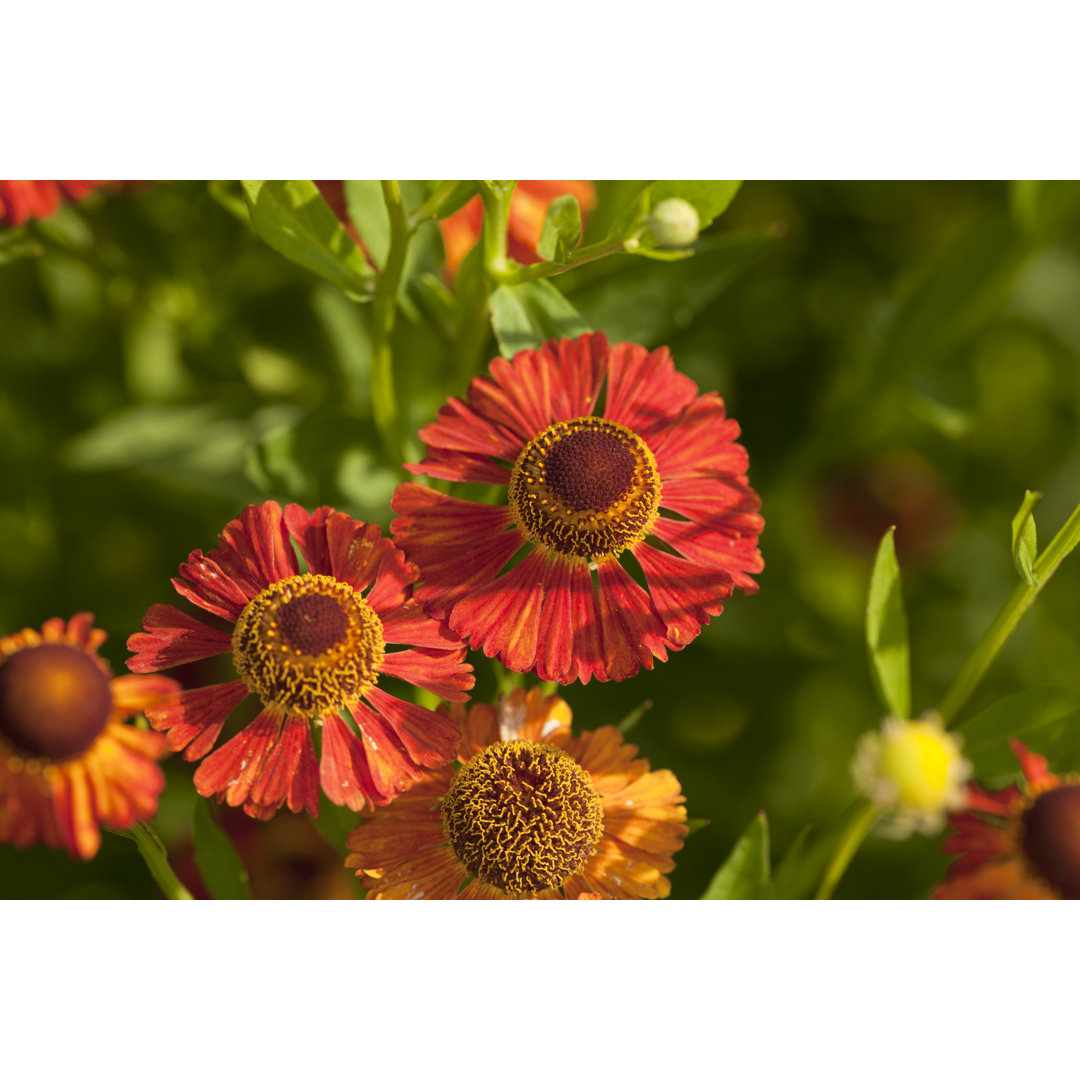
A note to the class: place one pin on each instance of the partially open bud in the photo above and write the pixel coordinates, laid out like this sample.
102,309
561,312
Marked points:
674,223
914,771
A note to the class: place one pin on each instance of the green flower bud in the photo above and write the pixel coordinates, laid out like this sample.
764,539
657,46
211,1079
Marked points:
674,223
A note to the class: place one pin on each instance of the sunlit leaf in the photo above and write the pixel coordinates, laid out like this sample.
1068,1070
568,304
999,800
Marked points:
562,230
887,632
525,316
710,198
367,211
223,874
745,874
1024,540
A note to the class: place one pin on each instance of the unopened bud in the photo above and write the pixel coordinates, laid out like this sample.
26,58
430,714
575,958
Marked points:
674,223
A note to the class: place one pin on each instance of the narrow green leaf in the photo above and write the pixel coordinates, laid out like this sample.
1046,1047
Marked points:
745,874
695,824
710,198
293,218
222,871
887,632
633,717
562,230
367,210
525,316
451,196
1024,541
803,864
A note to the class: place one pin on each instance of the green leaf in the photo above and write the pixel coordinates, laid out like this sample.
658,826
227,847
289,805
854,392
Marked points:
367,210
633,717
222,871
803,865
638,300
710,198
745,874
562,230
1045,718
294,219
525,316
16,244
887,632
1024,541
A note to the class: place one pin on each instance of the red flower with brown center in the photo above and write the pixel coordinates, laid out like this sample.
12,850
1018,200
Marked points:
21,200
68,762
533,813
653,472
1020,843
310,645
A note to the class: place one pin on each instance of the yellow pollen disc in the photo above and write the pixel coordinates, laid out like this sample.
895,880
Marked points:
309,644
522,816
586,488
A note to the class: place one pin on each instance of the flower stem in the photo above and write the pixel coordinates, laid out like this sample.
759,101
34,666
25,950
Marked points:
383,396
496,197
1007,620
157,861
549,269
850,842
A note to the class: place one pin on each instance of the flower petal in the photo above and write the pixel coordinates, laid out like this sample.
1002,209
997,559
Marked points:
684,595
644,391
443,672
429,738
632,631
195,719
173,638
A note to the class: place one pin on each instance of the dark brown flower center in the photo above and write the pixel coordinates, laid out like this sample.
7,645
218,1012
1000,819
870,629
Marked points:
1050,837
586,488
55,701
522,816
309,644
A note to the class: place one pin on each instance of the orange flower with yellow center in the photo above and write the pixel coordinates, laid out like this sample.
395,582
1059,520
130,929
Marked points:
1020,843
533,812
68,762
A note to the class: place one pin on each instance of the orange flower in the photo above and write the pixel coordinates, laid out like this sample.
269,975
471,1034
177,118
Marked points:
1020,843
528,208
68,762
533,813
21,200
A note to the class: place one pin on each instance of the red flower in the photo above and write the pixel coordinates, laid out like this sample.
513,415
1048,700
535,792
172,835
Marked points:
308,645
68,762
21,200
1020,843
533,813
659,461
528,209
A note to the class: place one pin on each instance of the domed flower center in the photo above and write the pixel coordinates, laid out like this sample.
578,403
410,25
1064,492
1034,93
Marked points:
1050,838
309,644
522,816
587,488
55,701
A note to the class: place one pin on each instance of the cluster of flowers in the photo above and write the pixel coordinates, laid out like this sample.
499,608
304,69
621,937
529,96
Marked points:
606,454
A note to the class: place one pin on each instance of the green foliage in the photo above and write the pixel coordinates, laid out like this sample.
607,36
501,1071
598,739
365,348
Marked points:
562,230
525,316
293,218
1024,540
223,874
710,198
887,632
745,874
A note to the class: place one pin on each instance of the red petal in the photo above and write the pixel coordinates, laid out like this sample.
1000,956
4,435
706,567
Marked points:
633,633
173,638
389,767
708,500
207,585
732,548
517,397
393,581
309,532
459,465
461,427
644,390
443,673
288,773
232,770
581,365
410,625
431,739
137,693
684,595
196,718
343,770
1035,767
700,441
255,547
555,659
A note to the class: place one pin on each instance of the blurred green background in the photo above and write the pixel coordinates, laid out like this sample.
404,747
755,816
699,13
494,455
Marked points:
896,353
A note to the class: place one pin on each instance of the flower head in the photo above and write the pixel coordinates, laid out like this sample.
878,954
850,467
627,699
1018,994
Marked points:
1019,843
914,771
533,813
68,762
309,644
528,208
653,473
21,200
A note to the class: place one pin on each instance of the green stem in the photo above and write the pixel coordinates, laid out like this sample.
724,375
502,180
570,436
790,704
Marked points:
850,842
157,861
549,269
383,396
429,209
1001,629
496,224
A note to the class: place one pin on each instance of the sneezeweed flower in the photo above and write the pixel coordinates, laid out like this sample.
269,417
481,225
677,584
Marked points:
528,208
309,646
586,484
1019,843
21,200
68,762
532,813
913,771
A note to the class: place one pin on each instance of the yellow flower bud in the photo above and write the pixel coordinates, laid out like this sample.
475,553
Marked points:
674,223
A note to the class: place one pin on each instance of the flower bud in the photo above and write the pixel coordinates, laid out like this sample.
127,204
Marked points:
674,223
912,770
